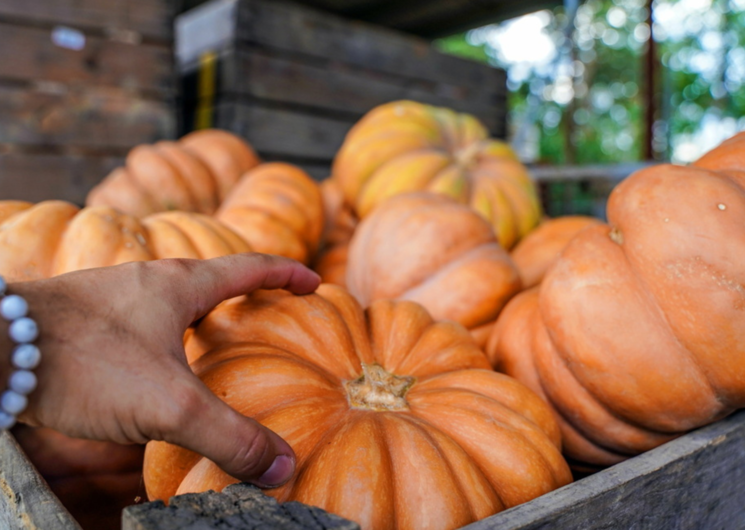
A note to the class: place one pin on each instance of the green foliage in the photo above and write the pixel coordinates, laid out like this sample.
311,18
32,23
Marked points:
700,83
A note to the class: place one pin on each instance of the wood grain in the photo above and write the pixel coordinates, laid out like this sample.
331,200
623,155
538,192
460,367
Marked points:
29,55
152,19
26,503
37,177
106,118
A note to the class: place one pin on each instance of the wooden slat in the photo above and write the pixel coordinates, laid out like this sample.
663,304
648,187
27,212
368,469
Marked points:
39,177
238,506
25,500
279,132
29,55
692,483
254,73
98,118
316,35
150,18
611,172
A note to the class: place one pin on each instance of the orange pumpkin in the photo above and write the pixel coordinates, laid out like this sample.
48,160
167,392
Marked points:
429,249
53,237
405,146
340,224
396,421
637,333
193,175
535,254
278,209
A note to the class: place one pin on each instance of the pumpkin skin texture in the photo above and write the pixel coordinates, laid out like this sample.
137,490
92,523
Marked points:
340,224
406,146
429,249
192,175
277,208
636,334
54,237
541,248
444,440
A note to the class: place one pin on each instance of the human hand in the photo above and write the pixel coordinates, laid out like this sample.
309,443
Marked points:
113,364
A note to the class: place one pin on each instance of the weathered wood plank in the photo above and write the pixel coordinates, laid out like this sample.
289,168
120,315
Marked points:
239,506
30,55
152,19
25,500
255,73
692,483
611,172
102,118
316,35
39,177
279,132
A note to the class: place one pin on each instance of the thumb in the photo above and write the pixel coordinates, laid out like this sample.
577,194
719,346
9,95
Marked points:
200,285
239,445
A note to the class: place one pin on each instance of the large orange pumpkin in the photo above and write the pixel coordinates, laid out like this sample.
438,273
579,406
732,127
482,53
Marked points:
406,146
193,175
54,237
429,249
396,421
278,209
535,253
638,331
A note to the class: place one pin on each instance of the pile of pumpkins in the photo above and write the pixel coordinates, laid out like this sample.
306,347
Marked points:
463,348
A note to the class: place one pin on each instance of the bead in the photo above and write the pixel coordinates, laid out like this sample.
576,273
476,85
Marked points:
23,330
13,307
6,420
26,357
22,382
13,402
3,286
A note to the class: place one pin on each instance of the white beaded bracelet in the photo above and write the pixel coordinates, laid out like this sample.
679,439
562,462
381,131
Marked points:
25,357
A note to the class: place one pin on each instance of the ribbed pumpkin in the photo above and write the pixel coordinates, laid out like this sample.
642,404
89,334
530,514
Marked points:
429,249
53,237
339,226
541,248
278,209
406,146
193,175
638,331
396,421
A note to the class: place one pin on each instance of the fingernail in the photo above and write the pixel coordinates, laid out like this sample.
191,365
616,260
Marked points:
279,472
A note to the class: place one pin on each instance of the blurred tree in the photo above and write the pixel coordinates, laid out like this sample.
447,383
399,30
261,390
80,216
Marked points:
582,101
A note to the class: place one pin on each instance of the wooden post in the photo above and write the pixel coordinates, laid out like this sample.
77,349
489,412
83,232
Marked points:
650,72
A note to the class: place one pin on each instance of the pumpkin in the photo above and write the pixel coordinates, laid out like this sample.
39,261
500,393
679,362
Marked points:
432,250
54,237
396,421
194,175
340,224
277,208
406,146
541,248
637,333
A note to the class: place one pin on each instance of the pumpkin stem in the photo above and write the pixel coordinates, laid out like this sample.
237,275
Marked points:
378,389
466,156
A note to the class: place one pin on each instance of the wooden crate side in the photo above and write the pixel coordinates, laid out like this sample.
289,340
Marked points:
30,55
151,19
256,73
37,177
26,502
317,35
107,119
281,133
691,483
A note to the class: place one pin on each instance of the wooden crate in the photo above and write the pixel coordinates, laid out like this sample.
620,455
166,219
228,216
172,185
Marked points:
81,83
692,483
292,80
